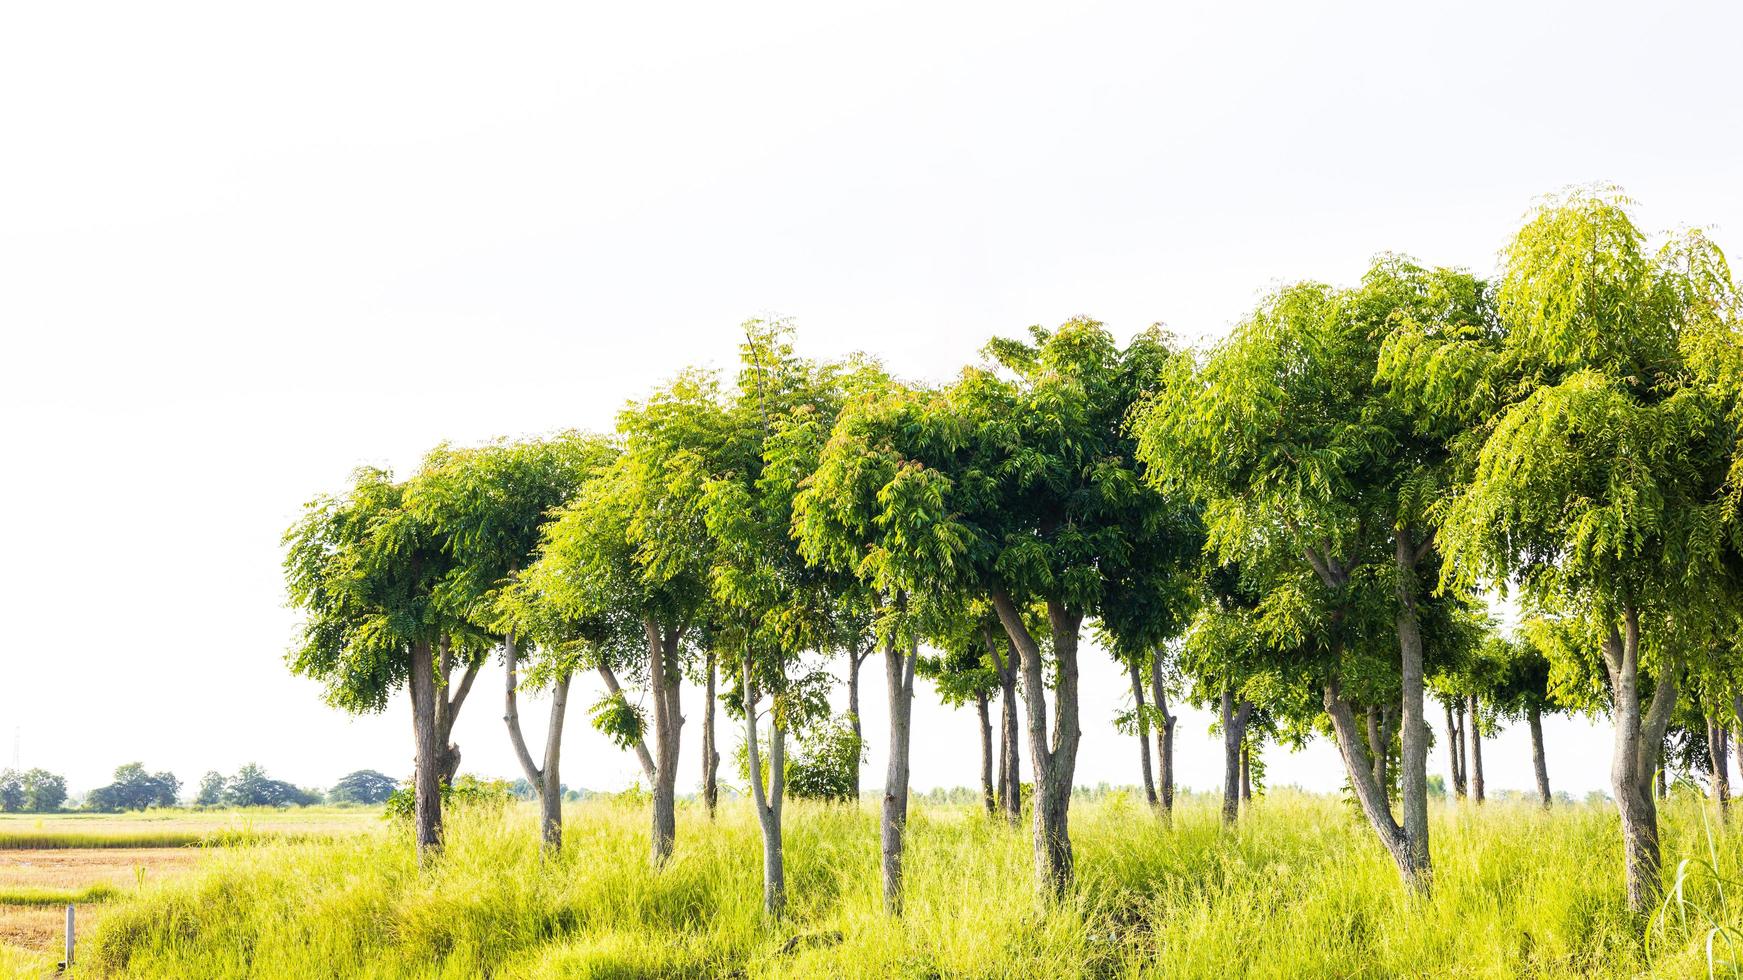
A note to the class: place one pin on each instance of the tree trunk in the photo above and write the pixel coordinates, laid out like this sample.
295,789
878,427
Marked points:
426,779
664,681
1538,762
448,707
1143,726
1408,843
1010,758
1004,759
1055,761
1639,738
649,769
1464,760
1454,747
551,799
767,802
1234,725
511,715
710,752
1412,863
1718,754
1737,739
1246,774
987,793
1476,752
854,659
547,781
1164,739
1379,742
899,676
1413,729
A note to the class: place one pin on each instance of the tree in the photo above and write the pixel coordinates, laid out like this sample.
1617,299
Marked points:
1225,658
1016,484
634,545
1150,599
825,757
488,504
211,791
1301,451
774,605
134,789
366,571
251,786
1597,458
11,791
859,642
864,513
967,670
44,791
365,787
827,762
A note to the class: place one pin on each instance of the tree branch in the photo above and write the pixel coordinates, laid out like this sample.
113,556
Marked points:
1359,764
511,717
641,744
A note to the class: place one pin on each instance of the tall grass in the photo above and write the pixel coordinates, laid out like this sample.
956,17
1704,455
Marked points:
1300,888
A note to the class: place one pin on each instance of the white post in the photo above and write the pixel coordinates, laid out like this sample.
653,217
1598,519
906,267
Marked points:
69,936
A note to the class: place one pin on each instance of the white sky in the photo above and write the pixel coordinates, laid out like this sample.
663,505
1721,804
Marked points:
244,249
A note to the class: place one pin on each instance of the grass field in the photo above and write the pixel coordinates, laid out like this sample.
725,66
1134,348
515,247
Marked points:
1300,889
91,860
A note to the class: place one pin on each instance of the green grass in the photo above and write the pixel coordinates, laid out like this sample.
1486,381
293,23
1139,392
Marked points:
91,894
1301,888
15,962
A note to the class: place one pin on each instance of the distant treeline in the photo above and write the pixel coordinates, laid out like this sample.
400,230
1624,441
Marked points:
135,788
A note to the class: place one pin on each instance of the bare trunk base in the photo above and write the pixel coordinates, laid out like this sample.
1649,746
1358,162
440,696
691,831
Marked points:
426,780
1054,867
1538,762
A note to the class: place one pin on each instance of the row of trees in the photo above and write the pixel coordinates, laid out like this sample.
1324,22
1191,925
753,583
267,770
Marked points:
1291,527
134,788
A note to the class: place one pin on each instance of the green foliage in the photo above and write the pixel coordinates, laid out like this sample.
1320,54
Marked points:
365,787
1596,471
965,668
364,570
252,787
134,789
618,720
629,553
11,791
466,792
1320,475
826,763
44,791
211,792
822,763
488,504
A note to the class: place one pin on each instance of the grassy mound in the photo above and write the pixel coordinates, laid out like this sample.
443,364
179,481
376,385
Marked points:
1299,889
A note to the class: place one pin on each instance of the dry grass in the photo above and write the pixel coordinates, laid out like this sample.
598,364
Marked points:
35,886
180,828
81,868
40,873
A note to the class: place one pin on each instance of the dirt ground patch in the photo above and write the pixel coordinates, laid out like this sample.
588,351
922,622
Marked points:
42,928
80,868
